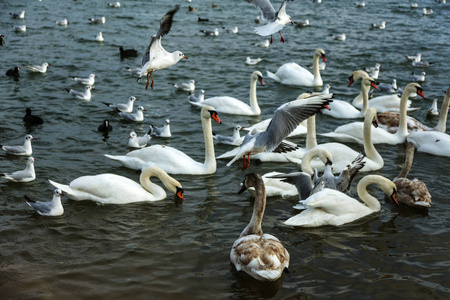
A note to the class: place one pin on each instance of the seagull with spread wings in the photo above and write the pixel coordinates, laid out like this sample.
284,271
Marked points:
156,57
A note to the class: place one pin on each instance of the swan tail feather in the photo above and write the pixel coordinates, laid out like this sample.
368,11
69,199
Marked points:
273,76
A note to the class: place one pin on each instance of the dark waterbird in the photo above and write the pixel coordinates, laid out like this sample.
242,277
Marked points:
127,52
30,119
13,72
105,127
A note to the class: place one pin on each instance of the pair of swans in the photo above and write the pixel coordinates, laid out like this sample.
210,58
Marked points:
174,161
230,105
293,74
331,207
258,254
353,132
115,189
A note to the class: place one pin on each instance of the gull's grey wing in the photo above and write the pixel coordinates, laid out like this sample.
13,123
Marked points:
40,207
266,8
289,115
344,181
14,149
301,180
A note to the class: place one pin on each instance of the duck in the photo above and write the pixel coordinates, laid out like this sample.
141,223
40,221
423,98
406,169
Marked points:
174,161
30,119
234,140
115,189
123,107
413,193
230,105
353,132
105,127
293,74
331,207
26,175
161,132
135,141
260,255
25,150
52,208
137,116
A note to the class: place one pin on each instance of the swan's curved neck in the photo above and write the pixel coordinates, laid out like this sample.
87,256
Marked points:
306,161
253,100
364,195
365,98
369,149
311,140
254,226
316,71
402,124
441,125
151,187
409,157
210,158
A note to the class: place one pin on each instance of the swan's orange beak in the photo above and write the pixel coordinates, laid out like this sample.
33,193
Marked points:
179,193
327,107
394,197
350,80
375,123
215,117
261,80
324,58
373,84
420,92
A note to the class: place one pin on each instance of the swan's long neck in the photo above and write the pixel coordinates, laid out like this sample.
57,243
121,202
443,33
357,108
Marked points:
253,100
210,158
441,125
311,140
402,124
409,157
369,149
254,226
316,71
370,200
154,189
365,97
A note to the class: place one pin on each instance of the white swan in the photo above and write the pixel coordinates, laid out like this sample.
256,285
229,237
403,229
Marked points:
331,207
293,74
230,105
115,189
353,132
260,255
432,142
174,161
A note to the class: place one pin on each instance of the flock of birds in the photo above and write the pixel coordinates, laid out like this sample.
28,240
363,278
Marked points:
323,198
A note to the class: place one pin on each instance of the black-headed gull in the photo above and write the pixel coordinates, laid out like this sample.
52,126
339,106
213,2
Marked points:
124,107
386,87
234,140
414,5
156,57
13,72
200,98
382,25
30,119
137,116
371,69
252,61
418,77
2,40
135,141
38,68
161,132
418,62
99,37
114,4
19,28
52,208
360,4
101,20
185,86
276,19
234,29
433,110
127,52
214,32
417,57
25,175
86,95
62,22
285,119
339,36
19,15
105,127
427,11
264,44
304,23
85,81
25,149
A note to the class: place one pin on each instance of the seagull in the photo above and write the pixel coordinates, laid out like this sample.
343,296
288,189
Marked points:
127,53
418,62
285,119
264,44
38,69
101,20
375,73
433,110
183,86
52,208
135,141
20,28
234,29
20,15
30,119
123,107
427,11
62,22
161,132
360,4
105,127
156,57
114,4
414,57
252,61
25,149
137,116
234,140
416,77
339,37
304,23
380,26
276,19
13,72
25,175
200,98
99,37
2,40
386,87
86,95
85,81
414,5
214,32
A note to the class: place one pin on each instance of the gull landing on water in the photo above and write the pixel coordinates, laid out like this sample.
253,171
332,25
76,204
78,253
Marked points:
156,57
276,19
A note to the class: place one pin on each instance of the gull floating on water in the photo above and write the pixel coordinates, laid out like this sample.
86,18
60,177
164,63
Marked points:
214,32
234,140
418,77
62,22
25,149
52,208
185,86
433,110
380,26
135,141
234,29
156,57
264,44
252,61
200,98
101,20
85,81
360,4
304,23
161,132
123,107
276,19
427,11
137,116
414,57
25,175
86,95
339,37
19,15
418,62
20,28
114,4
99,37
38,68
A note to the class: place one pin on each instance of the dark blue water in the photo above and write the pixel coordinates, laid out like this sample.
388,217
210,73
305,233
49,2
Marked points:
164,250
